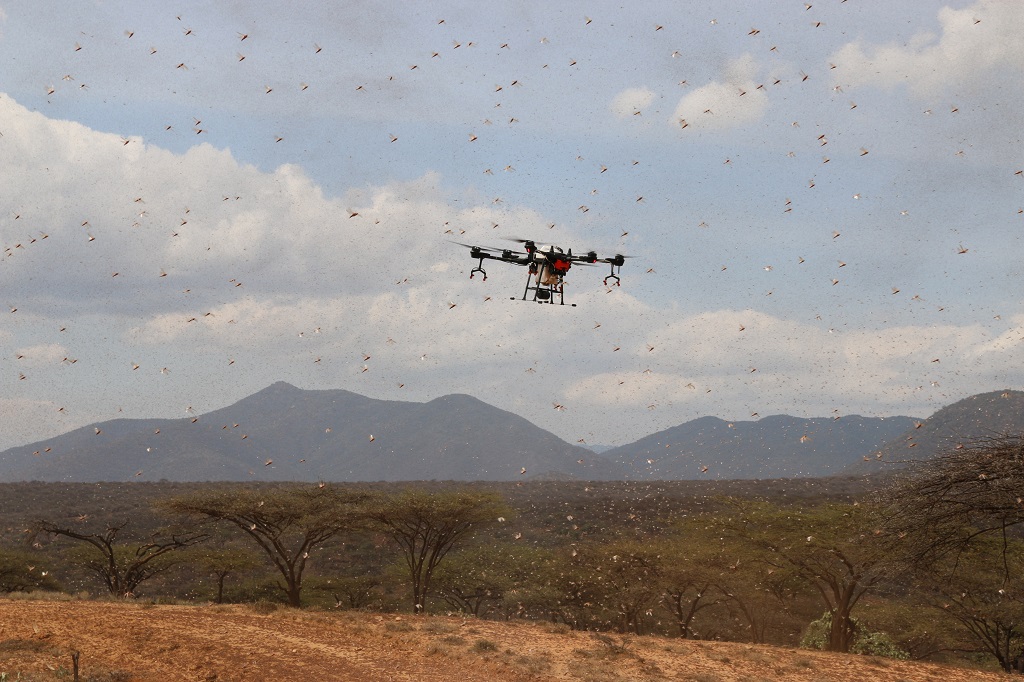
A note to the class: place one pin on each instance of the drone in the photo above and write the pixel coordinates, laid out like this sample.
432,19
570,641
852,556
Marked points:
546,267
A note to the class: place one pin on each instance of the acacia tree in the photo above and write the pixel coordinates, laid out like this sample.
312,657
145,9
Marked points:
221,563
567,589
426,526
123,568
987,603
831,547
692,579
943,504
287,524
631,572
957,521
19,572
490,577
709,569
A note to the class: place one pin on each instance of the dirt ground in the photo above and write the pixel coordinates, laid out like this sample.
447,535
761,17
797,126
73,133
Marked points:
122,642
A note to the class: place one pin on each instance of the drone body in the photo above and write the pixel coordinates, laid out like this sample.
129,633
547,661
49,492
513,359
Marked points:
546,268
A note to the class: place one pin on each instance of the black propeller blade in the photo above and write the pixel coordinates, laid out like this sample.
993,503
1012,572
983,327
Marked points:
505,253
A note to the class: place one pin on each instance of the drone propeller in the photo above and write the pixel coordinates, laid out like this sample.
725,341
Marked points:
478,248
505,253
617,260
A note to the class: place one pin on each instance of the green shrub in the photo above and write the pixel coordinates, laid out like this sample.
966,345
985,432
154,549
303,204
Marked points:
864,642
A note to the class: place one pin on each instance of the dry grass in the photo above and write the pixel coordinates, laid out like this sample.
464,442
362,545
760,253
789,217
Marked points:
171,642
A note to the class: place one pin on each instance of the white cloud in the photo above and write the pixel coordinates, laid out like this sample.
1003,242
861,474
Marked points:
973,43
729,358
731,102
42,354
630,101
1006,342
217,261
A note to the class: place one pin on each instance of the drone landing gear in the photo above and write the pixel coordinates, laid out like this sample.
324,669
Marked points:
479,268
613,276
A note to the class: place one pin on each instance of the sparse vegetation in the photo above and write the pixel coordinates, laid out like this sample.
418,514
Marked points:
709,567
484,646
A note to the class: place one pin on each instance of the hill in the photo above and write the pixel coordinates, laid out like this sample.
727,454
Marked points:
979,416
284,433
122,640
779,446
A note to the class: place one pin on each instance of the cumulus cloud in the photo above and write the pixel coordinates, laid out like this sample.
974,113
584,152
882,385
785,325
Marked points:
731,102
726,358
193,266
1012,340
973,43
630,101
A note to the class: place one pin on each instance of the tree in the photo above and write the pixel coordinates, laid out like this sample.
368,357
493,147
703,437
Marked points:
957,521
631,572
692,578
286,523
710,569
490,577
567,588
123,568
426,526
986,602
832,547
220,563
19,572
944,503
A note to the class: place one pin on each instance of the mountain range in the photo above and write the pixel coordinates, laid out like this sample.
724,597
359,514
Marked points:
284,433
778,446
979,416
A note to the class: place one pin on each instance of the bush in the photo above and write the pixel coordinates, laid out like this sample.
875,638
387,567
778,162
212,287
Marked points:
864,642
18,573
484,645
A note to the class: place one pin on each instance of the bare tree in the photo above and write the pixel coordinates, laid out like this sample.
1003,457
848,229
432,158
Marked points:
957,521
122,568
943,504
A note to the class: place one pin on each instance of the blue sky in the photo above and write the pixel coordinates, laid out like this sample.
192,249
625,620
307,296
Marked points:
822,202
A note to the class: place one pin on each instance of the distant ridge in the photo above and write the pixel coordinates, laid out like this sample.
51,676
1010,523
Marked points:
979,416
778,446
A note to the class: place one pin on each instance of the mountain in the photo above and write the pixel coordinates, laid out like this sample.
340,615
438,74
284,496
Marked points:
774,447
284,433
979,416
